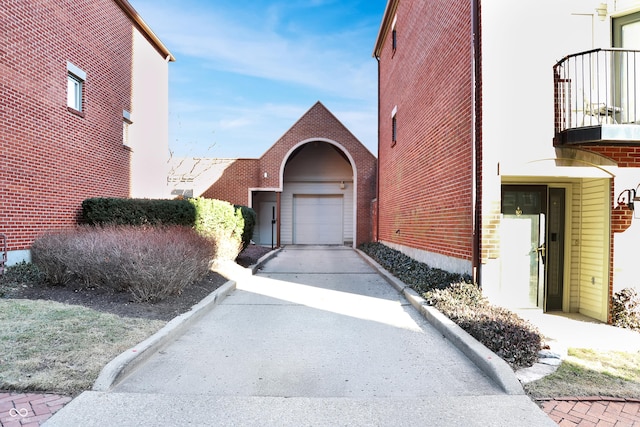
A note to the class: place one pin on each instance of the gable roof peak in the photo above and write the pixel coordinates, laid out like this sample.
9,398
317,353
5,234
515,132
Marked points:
316,114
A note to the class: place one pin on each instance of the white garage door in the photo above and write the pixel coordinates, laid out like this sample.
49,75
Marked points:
317,219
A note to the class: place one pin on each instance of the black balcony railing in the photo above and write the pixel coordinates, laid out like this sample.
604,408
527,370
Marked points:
597,87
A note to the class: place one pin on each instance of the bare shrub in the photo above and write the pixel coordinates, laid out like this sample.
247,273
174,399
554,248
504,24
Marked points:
512,338
625,309
165,262
50,254
149,262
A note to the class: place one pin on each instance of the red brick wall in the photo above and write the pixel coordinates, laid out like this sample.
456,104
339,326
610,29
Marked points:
50,158
621,217
626,156
318,122
425,194
233,186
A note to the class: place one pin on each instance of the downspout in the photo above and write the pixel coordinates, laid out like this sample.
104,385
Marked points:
278,217
476,136
377,230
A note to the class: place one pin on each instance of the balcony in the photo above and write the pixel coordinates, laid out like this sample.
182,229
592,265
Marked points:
596,96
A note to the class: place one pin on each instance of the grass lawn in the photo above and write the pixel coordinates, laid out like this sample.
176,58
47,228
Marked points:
587,372
54,347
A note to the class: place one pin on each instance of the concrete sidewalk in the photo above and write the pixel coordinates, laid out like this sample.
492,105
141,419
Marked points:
318,338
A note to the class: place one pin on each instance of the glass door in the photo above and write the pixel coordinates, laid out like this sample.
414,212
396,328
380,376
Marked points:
626,35
554,264
523,245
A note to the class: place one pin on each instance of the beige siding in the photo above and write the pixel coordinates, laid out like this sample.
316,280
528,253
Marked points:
574,281
594,248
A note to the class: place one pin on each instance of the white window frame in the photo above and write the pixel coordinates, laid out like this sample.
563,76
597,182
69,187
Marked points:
394,34
75,82
126,123
394,126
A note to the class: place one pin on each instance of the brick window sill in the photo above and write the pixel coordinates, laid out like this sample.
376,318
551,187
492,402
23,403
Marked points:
75,112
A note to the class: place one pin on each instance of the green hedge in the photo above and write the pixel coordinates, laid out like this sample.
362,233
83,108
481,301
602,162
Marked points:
114,211
216,218
250,218
222,222
230,226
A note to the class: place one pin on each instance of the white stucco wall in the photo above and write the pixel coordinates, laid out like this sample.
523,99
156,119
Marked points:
149,133
520,45
627,243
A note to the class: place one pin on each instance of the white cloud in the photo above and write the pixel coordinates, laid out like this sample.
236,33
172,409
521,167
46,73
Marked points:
249,131
216,47
255,48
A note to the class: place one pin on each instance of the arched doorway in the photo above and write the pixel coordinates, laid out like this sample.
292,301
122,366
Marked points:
318,193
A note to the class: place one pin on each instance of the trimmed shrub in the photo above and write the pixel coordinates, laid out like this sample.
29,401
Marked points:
22,273
250,218
419,276
625,309
115,211
513,339
218,220
510,337
149,262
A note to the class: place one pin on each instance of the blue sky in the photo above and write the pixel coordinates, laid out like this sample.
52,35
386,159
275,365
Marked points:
245,71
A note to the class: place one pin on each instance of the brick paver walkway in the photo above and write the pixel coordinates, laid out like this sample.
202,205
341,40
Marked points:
593,411
28,409
33,409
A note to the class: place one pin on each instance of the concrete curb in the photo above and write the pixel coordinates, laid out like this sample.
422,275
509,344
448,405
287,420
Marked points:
122,365
266,257
486,360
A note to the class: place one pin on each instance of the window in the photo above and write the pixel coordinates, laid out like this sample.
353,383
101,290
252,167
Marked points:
626,31
75,83
74,92
626,90
394,126
394,34
126,123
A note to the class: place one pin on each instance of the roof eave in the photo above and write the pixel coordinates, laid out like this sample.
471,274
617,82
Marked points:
135,17
387,19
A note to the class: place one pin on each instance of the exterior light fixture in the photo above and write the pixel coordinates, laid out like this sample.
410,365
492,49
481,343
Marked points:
342,186
629,197
265,175
634,200
601,10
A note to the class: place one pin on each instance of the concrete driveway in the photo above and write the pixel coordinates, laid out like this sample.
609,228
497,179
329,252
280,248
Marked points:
318,338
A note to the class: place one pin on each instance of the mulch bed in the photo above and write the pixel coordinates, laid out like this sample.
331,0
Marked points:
121,304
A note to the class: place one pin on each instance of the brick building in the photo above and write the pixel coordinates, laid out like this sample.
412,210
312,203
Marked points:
498,160
84,112
315,185
425,188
